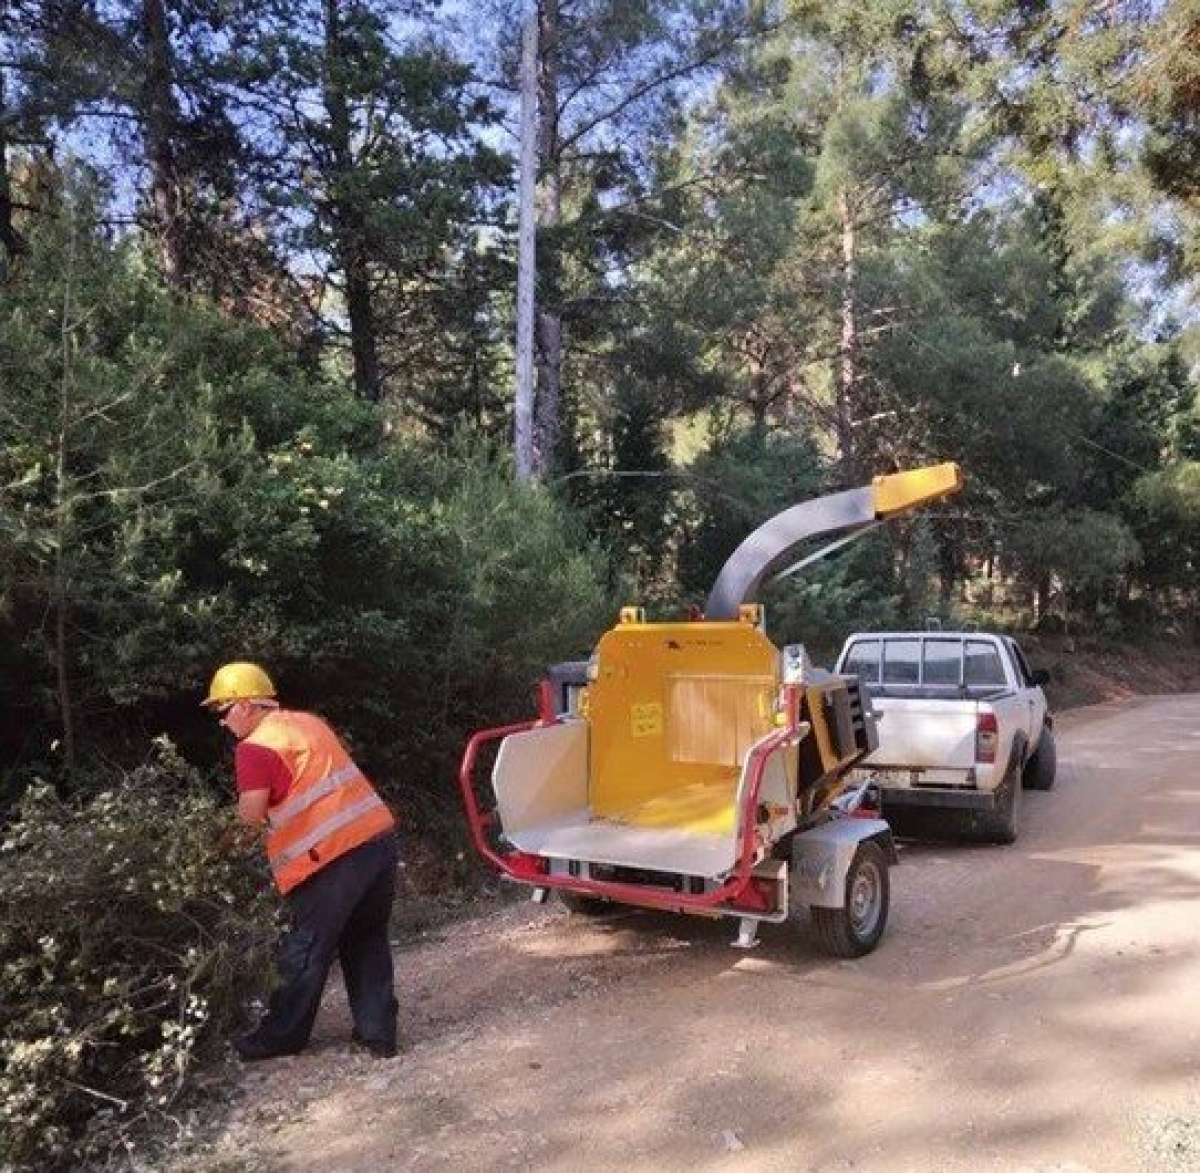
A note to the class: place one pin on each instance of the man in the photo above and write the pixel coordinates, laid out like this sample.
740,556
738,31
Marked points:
331,845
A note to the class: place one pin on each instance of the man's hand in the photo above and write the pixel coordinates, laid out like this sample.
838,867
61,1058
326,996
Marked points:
237,837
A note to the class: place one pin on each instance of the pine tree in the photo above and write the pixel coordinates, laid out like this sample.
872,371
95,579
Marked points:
610,78
373,167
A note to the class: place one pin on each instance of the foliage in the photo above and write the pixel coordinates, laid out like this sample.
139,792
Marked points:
783,247
1165,515
493,581
850,591
905,232
1084,552
370,152
129,949
1167,84
740,480
177,493
611,76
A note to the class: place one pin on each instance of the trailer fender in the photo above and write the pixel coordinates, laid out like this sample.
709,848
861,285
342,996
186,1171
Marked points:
821,857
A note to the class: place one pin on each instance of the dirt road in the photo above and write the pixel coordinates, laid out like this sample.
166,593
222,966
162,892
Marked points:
1034,1007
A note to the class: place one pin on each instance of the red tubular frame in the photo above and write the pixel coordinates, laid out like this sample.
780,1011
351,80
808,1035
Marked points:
535,869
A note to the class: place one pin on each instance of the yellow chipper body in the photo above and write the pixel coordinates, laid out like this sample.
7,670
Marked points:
695,766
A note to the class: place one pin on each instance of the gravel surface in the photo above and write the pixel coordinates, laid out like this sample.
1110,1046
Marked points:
1031,1008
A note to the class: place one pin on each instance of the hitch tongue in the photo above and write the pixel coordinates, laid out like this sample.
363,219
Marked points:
850,801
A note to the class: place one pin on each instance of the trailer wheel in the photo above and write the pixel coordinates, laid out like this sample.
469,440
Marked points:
854,930
578,904
1041,768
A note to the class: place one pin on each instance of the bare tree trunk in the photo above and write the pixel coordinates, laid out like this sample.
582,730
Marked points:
62,527
1041,597
523,422
349,226
159,120
949,537
847,385
10,239
548,405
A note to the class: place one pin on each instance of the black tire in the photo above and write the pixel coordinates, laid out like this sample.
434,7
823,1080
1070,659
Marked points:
1041,768
580,905
854,930
1002,824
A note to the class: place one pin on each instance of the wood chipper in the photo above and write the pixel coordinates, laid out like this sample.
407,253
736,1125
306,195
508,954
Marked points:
693,766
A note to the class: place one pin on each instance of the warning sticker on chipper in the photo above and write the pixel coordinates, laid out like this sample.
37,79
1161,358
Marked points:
646,719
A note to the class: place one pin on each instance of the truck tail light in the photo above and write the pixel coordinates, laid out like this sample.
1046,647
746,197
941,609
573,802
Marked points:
986,737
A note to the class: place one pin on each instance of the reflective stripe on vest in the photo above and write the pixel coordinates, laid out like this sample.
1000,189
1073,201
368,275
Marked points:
325,829
294,806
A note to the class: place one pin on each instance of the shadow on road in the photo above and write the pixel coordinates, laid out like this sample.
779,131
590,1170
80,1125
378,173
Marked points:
1034,986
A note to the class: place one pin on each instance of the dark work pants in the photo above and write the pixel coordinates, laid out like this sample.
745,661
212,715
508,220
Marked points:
342,911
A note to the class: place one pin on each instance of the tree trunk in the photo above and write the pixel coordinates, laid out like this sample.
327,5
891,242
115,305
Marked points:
159,120
523,400
902,546
949,538
1041,598
63,535
66,704
10,239
364,344
759,400
349,227
548,403
847,383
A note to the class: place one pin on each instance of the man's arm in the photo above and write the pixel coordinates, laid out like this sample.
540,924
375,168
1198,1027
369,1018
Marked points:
252,806
262,776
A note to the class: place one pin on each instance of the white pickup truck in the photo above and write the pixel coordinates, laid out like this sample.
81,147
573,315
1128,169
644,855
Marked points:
962,723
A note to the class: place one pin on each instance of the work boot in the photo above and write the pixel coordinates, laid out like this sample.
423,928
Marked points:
381,1050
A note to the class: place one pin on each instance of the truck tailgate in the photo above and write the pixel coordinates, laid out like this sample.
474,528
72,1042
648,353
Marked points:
921,735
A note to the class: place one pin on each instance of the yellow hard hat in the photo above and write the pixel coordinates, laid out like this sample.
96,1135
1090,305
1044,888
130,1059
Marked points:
240,681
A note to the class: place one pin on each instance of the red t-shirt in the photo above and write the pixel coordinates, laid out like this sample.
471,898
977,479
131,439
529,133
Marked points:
259,768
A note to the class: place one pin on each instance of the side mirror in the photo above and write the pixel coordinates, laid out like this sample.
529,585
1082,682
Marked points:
1040,677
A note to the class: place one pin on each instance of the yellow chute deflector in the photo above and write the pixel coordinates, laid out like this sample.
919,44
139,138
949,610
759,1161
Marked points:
900,491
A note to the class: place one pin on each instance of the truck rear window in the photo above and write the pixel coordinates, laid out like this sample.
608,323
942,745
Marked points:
982,664
902,661
942,662
862,661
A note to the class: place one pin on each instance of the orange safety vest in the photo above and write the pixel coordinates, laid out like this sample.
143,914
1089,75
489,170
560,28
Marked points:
330,807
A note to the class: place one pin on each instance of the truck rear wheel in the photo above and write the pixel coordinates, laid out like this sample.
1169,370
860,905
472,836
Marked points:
1041,768
1001,825
854,929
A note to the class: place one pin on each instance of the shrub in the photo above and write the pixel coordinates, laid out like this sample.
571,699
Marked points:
129,944
221,503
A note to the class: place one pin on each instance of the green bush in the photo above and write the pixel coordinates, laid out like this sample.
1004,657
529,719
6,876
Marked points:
516,589
129,947
216,502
